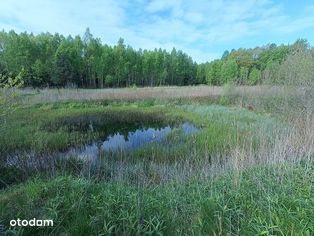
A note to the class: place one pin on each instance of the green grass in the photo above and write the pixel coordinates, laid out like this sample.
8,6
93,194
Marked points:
268,200
47,128
51,128
45,131
191,185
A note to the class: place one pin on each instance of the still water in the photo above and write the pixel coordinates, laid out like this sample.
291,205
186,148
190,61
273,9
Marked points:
133,140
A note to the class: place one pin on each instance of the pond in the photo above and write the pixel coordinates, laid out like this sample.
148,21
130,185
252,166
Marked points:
132,140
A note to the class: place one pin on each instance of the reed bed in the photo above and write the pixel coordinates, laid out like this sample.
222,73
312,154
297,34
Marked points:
246,172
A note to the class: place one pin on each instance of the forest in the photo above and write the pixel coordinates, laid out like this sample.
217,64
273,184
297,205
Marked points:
48,60
233,155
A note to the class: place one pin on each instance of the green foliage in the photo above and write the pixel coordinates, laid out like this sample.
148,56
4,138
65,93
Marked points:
229,71
267,200
268,64
243,75
297,69
8,84
53,60
109,80
213,73
254,76
271,73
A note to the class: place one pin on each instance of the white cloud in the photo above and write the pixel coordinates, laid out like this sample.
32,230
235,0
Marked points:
297,25
164,5
62,16
197,27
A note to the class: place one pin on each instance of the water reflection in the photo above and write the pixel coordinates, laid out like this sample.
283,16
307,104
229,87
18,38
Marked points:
133,140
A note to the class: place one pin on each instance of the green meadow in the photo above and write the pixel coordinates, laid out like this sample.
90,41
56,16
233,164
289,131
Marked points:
244,172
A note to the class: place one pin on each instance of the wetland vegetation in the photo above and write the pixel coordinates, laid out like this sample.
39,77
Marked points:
230,171
84,143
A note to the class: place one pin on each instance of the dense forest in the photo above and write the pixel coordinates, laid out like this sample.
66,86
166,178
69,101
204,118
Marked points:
54,60
271,64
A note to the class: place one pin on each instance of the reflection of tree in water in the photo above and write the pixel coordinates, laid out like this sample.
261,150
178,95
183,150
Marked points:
127,139
135,139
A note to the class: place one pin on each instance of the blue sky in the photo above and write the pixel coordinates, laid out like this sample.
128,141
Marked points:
203,29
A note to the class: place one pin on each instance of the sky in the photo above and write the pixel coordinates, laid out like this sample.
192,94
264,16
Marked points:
203,29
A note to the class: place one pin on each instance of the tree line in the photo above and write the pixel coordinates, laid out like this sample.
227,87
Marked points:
270,64
54,60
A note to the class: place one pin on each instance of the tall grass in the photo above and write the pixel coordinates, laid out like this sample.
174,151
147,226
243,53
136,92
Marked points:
266,200
244,173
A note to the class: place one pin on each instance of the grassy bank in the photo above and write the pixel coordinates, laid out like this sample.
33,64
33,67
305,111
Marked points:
245,172
268,200
35,96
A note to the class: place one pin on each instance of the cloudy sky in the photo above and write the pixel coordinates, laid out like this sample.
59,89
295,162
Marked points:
201,28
